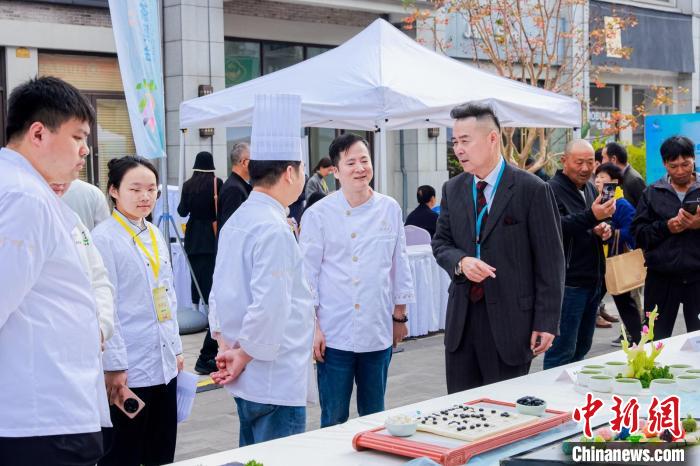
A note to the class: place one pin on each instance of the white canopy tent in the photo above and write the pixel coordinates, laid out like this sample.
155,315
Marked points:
382,80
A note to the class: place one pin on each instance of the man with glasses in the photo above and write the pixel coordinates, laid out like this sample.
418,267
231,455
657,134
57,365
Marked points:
667,228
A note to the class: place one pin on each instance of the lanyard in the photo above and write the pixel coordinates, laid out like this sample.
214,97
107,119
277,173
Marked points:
480,217
154,258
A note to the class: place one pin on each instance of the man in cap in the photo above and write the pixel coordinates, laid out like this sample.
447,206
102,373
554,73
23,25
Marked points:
261,310
356,264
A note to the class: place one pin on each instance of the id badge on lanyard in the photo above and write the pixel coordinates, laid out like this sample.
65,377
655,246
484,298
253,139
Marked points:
159,293
161,303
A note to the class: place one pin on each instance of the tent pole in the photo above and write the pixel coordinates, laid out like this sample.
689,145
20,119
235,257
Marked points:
383,165
165,227
181,164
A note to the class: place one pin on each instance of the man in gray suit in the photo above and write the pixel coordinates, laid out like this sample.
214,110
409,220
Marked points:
499,238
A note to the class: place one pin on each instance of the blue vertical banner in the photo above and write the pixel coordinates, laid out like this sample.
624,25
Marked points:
658,128
136,26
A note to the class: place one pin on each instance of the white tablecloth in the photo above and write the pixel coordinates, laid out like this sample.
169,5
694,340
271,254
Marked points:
181,274
333,445
427,314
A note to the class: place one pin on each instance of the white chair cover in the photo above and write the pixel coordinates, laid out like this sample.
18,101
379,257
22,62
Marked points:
416,235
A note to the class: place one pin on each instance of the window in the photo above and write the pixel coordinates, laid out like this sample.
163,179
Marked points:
278,56
242,61
643,99
99,79
246,60
603,101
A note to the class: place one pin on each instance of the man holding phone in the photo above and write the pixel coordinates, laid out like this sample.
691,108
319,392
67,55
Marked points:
583,214
667,228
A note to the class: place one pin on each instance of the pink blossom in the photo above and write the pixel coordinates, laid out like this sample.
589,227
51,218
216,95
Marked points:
645,329
648,314
659,345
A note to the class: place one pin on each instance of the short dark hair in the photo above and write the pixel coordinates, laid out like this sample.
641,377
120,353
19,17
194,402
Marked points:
599,155
266,173
616,150
325,162
48,100
474,110
612,170
118,167
343,143
425,193
677,146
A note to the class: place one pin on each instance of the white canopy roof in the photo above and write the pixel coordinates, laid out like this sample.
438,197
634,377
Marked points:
382,78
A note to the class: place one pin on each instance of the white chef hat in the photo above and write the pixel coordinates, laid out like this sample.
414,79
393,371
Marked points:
276,127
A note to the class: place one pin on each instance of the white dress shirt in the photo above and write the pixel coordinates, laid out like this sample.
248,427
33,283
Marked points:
262,303
99,278
88,202
140,344
49,335
356,264
490,179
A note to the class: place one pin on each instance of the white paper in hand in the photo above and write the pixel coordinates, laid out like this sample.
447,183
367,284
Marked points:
186,391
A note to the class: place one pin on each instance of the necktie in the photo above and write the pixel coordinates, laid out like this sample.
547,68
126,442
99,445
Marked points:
476,292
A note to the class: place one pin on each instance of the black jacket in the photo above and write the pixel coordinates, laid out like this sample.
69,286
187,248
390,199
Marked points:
676,255
522,240
633,185
197,201
423,217
583,250
233,194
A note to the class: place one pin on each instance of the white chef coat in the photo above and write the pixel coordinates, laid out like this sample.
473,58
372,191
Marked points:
263,304
88,202
356,264
49,336
99,278
140,344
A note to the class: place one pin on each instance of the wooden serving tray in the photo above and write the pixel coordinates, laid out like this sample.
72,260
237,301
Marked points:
450,452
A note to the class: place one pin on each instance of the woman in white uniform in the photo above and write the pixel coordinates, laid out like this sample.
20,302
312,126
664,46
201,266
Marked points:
145,351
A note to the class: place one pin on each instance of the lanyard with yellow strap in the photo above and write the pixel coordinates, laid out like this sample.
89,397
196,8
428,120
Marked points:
160,295
154,258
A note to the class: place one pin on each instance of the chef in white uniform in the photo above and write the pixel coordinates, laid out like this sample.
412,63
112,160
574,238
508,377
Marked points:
262,304
50,402
355,258
145,351
90,257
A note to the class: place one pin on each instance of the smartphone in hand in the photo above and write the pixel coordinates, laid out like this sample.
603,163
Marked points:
608,192
691,206
130,404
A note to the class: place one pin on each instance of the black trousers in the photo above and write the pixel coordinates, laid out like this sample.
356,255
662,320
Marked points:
668,293
149,438
203,269
476,362
51,450
629,313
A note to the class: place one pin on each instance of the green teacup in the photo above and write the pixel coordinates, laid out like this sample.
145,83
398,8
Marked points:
678,369
584,375
615,367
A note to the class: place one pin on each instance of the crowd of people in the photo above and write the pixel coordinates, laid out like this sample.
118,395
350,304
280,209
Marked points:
90,307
